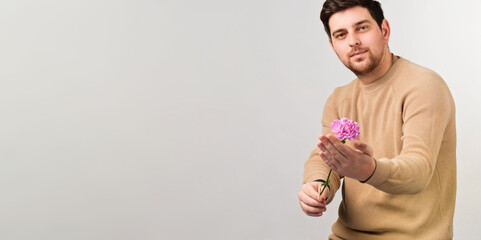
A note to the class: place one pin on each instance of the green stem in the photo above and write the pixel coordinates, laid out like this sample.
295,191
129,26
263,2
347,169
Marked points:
328,175
326,182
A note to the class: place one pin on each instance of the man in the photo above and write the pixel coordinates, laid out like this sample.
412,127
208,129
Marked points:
400,174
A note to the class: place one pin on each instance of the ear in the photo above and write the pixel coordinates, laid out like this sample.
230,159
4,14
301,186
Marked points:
386,30
330,42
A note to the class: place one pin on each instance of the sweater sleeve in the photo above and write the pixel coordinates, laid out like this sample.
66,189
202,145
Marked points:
314,167
427,109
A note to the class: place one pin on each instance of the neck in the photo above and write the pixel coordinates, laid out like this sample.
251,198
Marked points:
386,62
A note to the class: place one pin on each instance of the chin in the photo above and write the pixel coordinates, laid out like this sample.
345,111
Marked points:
360,68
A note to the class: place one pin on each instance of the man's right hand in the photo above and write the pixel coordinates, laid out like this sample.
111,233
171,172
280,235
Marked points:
311,203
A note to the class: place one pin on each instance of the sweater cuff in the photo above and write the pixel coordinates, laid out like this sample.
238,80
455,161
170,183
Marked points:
381,173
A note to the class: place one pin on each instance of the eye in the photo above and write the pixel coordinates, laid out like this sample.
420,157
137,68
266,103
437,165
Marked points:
339,36
362,28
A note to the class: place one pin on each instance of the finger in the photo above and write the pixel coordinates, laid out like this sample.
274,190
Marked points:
312,211
363,147
321,136
321,146
308,200
341,147
332,149
328,161
310,191
333,163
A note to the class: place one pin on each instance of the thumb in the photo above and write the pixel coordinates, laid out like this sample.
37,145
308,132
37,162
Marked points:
363,147
325,194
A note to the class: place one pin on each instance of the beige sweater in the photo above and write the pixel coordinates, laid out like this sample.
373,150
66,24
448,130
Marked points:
408,117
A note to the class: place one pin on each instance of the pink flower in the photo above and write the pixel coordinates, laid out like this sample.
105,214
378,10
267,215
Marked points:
345,128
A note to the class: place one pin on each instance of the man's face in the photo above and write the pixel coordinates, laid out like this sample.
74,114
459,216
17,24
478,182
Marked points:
357,39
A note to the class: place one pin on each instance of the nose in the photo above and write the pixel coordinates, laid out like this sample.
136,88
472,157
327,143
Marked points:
354,40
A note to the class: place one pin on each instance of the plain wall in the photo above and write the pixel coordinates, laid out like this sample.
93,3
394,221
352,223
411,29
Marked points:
193,119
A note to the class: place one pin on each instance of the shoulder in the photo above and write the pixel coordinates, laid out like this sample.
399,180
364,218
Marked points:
417,86
415,81
416,77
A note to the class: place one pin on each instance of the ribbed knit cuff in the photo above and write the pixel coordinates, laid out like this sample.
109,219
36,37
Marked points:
381,173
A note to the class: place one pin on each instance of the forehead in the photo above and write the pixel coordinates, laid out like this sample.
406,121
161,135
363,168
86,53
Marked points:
349,17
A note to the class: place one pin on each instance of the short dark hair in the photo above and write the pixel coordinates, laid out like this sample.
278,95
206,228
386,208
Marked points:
333,6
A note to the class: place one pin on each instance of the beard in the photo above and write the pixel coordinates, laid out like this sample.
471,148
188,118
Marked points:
363,65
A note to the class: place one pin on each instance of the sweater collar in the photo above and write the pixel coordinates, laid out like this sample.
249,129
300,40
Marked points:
386,78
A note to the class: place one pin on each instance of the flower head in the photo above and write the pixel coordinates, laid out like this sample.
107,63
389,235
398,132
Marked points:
345,128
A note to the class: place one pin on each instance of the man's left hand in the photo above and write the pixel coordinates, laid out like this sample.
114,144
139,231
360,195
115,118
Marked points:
354,163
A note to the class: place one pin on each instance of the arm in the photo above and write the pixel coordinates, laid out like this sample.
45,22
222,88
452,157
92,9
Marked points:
427,110
426,113
314,167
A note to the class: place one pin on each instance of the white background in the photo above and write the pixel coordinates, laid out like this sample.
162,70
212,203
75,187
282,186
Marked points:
192,119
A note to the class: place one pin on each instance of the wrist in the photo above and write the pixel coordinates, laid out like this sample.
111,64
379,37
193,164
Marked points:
371,170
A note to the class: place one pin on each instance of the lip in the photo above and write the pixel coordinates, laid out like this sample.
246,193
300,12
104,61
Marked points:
358,53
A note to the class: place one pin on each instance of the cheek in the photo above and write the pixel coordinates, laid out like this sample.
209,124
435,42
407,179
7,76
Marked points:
375,43
341,50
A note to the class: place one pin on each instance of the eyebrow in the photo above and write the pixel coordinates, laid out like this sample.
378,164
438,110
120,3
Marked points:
356,24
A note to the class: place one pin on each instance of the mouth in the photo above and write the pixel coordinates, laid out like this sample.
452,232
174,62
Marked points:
358,54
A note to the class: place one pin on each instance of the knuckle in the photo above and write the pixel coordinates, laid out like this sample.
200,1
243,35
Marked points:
332,166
